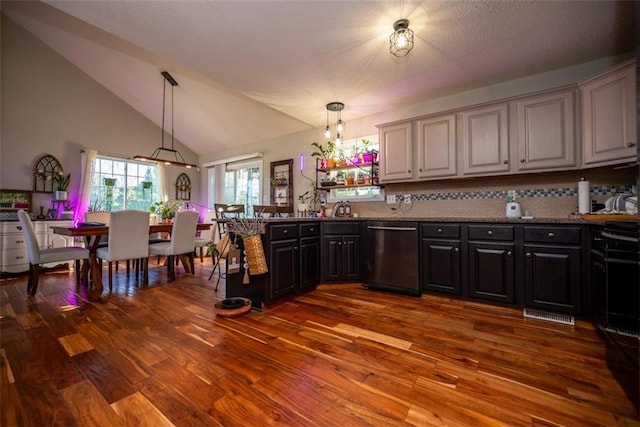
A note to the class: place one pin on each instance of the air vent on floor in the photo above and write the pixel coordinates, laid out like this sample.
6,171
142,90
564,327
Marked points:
550,317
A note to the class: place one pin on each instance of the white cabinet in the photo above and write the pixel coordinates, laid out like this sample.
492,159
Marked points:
485,140
545,132
436,145
609,116
13,248
396,152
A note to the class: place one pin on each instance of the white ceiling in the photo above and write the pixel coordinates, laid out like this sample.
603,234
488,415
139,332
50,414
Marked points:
253,70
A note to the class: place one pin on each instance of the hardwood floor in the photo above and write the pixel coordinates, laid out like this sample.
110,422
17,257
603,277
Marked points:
338,356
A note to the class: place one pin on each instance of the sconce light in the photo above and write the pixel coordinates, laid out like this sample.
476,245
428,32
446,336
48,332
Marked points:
336,107
401,40
179,160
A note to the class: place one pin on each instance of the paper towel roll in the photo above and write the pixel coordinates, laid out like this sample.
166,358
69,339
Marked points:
584,197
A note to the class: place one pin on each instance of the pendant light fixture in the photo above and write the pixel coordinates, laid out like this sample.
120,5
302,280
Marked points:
401,40
336,107
155,156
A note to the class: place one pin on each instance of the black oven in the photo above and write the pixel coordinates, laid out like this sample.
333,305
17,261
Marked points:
617,301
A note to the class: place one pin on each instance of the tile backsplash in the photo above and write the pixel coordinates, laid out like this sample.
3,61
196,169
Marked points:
543,195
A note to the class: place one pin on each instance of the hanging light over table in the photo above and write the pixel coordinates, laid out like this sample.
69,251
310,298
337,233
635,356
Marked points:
155,156
337,107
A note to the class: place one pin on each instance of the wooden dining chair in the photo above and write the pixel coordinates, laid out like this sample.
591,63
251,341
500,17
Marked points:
227,211
183,234
39,256
128,240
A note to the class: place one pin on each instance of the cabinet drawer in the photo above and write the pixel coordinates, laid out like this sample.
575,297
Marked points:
491,232
565,235
341,228
17,256
441,231
310,229
283,231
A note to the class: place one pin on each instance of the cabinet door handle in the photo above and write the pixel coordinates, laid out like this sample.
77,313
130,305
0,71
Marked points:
19,257
409,171
598,239
420,170
439,230
19,241
631,144
490,233
285,231
551,235
506,162
521,160
19,227
311,229
509,253
456,249
528,255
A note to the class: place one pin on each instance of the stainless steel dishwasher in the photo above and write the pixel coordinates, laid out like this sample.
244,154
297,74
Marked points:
392,256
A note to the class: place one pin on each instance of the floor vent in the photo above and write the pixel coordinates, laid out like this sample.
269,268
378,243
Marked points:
551,317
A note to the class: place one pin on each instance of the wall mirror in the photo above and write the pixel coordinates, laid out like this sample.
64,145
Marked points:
281,183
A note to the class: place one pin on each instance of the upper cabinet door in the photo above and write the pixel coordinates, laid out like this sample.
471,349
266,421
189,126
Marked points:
609,116
485,140
546,131
396,153
436,142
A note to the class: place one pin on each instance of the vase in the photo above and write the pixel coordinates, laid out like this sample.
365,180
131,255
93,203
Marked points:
255,255
61,195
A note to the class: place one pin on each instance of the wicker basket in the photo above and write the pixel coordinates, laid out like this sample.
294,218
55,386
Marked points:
255,255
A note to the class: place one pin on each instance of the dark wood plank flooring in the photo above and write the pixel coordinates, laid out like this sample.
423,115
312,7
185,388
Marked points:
338,356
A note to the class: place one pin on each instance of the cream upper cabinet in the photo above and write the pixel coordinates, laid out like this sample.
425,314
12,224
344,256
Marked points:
396,152
436,146
609,116
485,140
545,132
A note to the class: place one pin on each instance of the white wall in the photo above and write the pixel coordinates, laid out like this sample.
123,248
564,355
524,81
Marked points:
51,107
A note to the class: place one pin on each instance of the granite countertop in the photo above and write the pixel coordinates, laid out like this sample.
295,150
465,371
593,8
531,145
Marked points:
432,219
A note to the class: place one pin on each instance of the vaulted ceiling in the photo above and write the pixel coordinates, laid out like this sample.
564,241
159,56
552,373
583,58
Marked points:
255,69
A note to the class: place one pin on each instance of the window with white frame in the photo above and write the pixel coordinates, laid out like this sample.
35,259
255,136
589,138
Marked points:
348,149
118,184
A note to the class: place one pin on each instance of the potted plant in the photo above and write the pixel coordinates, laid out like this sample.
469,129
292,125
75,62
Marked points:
367,154
325,154
62,188
167,210
341,178
67,213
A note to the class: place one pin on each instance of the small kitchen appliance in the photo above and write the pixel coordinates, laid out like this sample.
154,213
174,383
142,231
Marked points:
514,211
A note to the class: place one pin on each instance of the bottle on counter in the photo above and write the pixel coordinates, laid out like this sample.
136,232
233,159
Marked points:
341,208
347,209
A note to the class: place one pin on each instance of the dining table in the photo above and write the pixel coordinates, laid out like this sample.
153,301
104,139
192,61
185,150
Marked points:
92,235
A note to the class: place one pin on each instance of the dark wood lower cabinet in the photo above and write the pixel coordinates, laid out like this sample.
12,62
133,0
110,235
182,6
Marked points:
552,278
491,271
283,268
341,258
441,266
309,262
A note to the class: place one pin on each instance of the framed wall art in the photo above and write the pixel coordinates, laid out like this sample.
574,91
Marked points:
14,200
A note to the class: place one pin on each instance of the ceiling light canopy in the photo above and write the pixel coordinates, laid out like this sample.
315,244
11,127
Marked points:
401,40
337,107
155,156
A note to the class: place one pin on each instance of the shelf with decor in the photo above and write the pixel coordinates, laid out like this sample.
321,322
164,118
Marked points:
348,174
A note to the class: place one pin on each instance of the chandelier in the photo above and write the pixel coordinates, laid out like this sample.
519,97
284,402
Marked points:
401,40
155,156
336,107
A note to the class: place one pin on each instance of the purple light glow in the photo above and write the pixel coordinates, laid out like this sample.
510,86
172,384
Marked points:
301,162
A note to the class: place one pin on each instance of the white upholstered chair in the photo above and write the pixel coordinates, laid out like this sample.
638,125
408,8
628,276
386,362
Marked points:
39,256
128,239
206,236
183,234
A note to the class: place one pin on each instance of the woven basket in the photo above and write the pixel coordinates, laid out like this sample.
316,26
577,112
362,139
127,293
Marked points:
255,255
